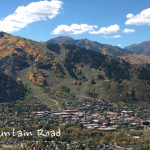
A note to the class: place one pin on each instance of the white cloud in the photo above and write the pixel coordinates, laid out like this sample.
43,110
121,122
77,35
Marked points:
143,18
106,36
128,31
73,29
116,36
35,11
130,16
82,28
108,30
111,37
119,45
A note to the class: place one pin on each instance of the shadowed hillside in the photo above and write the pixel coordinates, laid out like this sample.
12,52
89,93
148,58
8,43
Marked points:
10,89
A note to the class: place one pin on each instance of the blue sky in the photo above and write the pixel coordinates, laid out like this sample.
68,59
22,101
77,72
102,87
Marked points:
114,22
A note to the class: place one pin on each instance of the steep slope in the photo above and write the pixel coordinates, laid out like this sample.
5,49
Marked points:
17,54
85,43
142,48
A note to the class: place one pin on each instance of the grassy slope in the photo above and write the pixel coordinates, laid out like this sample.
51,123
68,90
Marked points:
38,92
79,91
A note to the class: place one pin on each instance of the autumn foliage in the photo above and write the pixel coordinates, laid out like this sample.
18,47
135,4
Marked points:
37,78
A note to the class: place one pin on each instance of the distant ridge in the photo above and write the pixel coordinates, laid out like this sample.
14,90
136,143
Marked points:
142,48
92,45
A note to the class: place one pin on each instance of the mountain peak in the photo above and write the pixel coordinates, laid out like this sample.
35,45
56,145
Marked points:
60,39
2,34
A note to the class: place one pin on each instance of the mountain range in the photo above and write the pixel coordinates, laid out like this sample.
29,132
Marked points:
67,69
92,45
126,54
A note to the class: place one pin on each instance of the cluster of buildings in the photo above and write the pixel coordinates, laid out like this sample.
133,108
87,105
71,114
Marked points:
100,115
96,115
106,121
